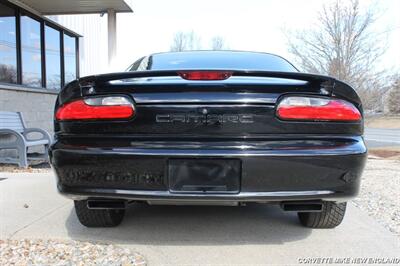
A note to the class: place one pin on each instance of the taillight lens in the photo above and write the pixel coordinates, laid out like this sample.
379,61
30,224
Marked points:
205,75
316,109
110,107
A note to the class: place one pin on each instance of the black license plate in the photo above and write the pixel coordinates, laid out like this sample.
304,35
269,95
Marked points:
204,175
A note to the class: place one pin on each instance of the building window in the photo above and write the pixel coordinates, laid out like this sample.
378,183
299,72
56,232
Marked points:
31,52
34,51
8,45
53,62
69,58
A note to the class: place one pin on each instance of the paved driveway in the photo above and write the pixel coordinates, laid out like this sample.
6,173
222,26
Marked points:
378,137
255,234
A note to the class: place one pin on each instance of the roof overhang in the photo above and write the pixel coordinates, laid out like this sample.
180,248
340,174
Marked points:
57,7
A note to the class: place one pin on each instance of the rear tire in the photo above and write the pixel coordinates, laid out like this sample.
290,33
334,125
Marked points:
331,216
97,218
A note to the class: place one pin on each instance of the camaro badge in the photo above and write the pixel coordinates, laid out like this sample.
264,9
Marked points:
210,119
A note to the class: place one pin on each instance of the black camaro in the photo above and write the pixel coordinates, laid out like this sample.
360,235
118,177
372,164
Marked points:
209,127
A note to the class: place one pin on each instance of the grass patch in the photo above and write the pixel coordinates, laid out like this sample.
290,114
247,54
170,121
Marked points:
388,122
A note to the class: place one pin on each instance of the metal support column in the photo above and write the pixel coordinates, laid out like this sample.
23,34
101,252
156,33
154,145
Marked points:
112,35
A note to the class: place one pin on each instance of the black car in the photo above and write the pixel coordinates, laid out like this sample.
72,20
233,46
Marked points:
209,127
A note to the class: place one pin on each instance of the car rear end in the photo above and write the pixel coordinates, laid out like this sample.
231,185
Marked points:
208,136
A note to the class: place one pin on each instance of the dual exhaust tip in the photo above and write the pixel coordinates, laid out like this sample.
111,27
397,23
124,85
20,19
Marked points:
297,206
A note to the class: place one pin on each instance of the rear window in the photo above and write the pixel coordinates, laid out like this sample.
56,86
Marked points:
213,60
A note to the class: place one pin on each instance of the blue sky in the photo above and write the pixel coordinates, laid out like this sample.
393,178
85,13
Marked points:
244,24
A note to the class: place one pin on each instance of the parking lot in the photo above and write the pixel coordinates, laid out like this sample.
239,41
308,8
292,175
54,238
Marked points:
30,208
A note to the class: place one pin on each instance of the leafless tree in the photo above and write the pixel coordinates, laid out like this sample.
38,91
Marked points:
343,45
218,43
394,97
185,41
8,73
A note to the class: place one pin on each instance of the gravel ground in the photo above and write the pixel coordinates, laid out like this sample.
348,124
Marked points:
379,195
51,252
13,168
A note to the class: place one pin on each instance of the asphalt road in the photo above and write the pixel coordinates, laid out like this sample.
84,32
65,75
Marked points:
376,137
182,235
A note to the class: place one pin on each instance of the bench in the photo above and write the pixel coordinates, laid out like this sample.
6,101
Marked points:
15,136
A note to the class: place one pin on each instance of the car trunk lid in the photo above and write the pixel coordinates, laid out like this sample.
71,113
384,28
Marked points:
170,106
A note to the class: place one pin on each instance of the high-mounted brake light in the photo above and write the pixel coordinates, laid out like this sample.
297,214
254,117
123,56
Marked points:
205,75
316,109
110,107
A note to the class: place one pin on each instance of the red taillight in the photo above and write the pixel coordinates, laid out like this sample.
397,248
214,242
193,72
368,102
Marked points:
317,109
113,107
205,75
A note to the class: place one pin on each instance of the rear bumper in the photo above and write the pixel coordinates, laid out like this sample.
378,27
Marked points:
165,196
326,168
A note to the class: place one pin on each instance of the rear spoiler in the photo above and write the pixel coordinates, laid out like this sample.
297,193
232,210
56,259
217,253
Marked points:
331,85
98,79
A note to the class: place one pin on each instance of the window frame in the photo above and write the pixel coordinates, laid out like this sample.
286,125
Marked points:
19,11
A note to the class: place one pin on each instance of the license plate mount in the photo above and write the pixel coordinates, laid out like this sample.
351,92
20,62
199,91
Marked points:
204,175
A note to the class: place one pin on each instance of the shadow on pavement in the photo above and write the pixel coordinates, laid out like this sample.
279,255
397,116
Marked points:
196,225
